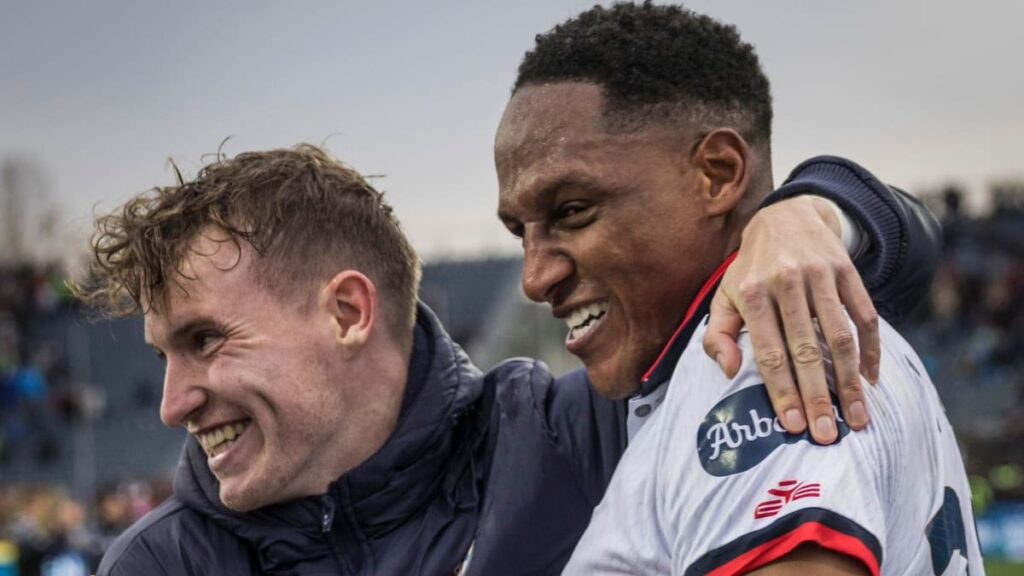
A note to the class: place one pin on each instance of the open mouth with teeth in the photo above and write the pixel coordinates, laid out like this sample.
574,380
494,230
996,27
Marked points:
584,319
219,440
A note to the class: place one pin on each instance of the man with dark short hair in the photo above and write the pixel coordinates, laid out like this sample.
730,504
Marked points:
631,159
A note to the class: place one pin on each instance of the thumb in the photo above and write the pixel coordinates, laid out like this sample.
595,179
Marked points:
724,326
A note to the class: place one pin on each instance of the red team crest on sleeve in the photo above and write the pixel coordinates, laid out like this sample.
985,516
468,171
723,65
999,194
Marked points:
786,492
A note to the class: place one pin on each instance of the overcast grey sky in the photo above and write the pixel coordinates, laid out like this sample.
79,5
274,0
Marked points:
100,94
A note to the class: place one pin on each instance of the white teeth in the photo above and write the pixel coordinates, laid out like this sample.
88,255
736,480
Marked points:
217,441
585,318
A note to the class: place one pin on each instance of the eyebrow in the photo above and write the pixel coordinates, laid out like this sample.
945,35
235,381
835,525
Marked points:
180,332
550,191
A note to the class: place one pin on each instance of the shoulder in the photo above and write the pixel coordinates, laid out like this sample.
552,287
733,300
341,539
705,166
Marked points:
172,539
701,401
770,491
545,471
133,549
542,422
522,384
730,430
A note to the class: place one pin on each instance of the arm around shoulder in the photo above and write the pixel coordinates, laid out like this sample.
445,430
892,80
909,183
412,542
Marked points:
905,238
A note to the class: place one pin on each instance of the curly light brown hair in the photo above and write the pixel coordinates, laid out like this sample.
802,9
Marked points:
305,214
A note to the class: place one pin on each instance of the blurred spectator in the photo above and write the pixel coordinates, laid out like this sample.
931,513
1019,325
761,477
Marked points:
43,527
28,364
44,532
971,338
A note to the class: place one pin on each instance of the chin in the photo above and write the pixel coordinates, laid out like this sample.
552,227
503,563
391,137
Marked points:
240,500
613,386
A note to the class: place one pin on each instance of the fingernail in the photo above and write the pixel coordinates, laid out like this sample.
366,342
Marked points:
858,415
826,429
721,361
874,374
794,419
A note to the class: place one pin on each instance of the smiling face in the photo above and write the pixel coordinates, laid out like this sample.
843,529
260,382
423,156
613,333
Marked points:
281,408
613,230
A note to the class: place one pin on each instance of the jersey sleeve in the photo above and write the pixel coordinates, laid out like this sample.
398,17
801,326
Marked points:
745,493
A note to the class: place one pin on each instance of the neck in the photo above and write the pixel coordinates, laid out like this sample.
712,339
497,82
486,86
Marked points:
381,370
736,222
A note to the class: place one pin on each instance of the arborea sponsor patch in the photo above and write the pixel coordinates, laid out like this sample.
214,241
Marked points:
742,430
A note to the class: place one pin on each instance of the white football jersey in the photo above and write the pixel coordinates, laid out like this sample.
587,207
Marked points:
713,485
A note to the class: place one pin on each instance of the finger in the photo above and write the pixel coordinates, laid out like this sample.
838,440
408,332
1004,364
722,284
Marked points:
842,347
805,351
770,355
723,331
865,317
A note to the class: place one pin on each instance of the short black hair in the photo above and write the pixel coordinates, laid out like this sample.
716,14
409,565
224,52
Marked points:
657,62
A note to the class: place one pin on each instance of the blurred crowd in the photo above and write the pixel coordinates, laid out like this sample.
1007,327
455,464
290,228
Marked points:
970,334
46,532
35,383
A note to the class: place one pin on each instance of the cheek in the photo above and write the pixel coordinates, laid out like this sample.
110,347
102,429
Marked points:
226,376
244,375
310,401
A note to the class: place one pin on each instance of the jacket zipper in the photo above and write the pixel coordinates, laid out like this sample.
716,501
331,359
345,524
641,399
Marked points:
326,514
326,523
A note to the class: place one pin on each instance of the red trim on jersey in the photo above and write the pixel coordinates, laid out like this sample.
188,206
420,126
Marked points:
810,532
691,310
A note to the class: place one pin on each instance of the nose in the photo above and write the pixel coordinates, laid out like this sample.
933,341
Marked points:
183,394
545,268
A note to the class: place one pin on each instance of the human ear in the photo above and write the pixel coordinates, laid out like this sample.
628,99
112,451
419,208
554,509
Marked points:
350,300
723,158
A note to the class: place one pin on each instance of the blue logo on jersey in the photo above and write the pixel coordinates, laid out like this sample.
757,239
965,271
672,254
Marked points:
742,430
946,535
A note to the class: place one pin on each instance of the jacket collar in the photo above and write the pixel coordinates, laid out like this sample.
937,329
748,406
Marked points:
429,449
662,369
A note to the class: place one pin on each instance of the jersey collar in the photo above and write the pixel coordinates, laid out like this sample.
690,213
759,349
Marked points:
662,369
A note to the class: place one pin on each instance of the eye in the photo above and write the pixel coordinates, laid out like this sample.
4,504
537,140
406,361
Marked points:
160,354
575,214
206,341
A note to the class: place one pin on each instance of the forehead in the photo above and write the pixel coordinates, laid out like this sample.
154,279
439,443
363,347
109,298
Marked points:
214,273
548,134
553,134
541,118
